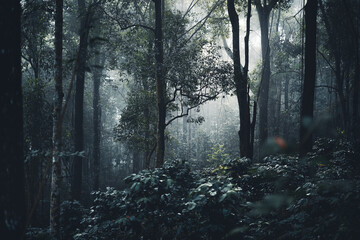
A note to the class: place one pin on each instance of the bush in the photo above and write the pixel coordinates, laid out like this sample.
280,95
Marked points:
71,215
283,197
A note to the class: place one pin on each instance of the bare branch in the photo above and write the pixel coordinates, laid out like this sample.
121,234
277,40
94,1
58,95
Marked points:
174,96
326,60
191,6
121,25
202,22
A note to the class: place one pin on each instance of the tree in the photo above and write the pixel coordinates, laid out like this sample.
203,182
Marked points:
264,8
137,119
12,201
160,86
342,46
307,98
85,16
57,125
189,78
99,65
241,79
37,61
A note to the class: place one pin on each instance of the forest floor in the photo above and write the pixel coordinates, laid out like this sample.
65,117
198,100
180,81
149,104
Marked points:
282,197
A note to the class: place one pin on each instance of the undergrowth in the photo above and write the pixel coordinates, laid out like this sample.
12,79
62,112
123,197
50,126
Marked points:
283,197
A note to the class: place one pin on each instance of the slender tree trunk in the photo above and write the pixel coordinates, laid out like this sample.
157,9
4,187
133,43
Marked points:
12,184
185,152
264,13
136,161
278,85
99,63
148,151
286,106
146,87
278,122
189,140
246,73
57,125
240,80
79,101
307,100
160,86
253,123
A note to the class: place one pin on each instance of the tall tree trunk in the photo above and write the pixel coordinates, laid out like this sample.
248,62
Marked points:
146,87
12,184
148,151
160,86
339,75
79,101
246,73
252,133
240,80
264,13
278,86
99,63
356,99
307,100
57,125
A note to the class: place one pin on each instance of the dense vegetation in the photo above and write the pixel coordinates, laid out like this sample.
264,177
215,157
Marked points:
283,197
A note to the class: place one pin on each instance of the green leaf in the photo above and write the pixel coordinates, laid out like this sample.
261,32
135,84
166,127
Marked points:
190,205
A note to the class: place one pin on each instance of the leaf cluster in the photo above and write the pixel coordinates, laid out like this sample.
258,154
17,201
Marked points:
282,197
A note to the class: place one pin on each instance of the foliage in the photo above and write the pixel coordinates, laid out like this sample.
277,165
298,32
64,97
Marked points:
71,214
137,120
218,155
152,202
283,197
38,234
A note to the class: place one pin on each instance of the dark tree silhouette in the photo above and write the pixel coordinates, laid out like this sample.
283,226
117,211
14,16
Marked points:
160,86
57,125
12,199
240,79
79,99
307,100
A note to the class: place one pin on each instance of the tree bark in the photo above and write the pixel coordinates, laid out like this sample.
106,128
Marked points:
12,184
240,80
99,63
160,86
79,101
264,13
286,106
57,126
146,87
185,152
307,100
356,99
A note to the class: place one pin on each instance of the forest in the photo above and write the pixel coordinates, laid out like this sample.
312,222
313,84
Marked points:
191,119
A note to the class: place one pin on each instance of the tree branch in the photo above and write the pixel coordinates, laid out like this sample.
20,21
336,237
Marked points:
326,60
121,25
202,21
